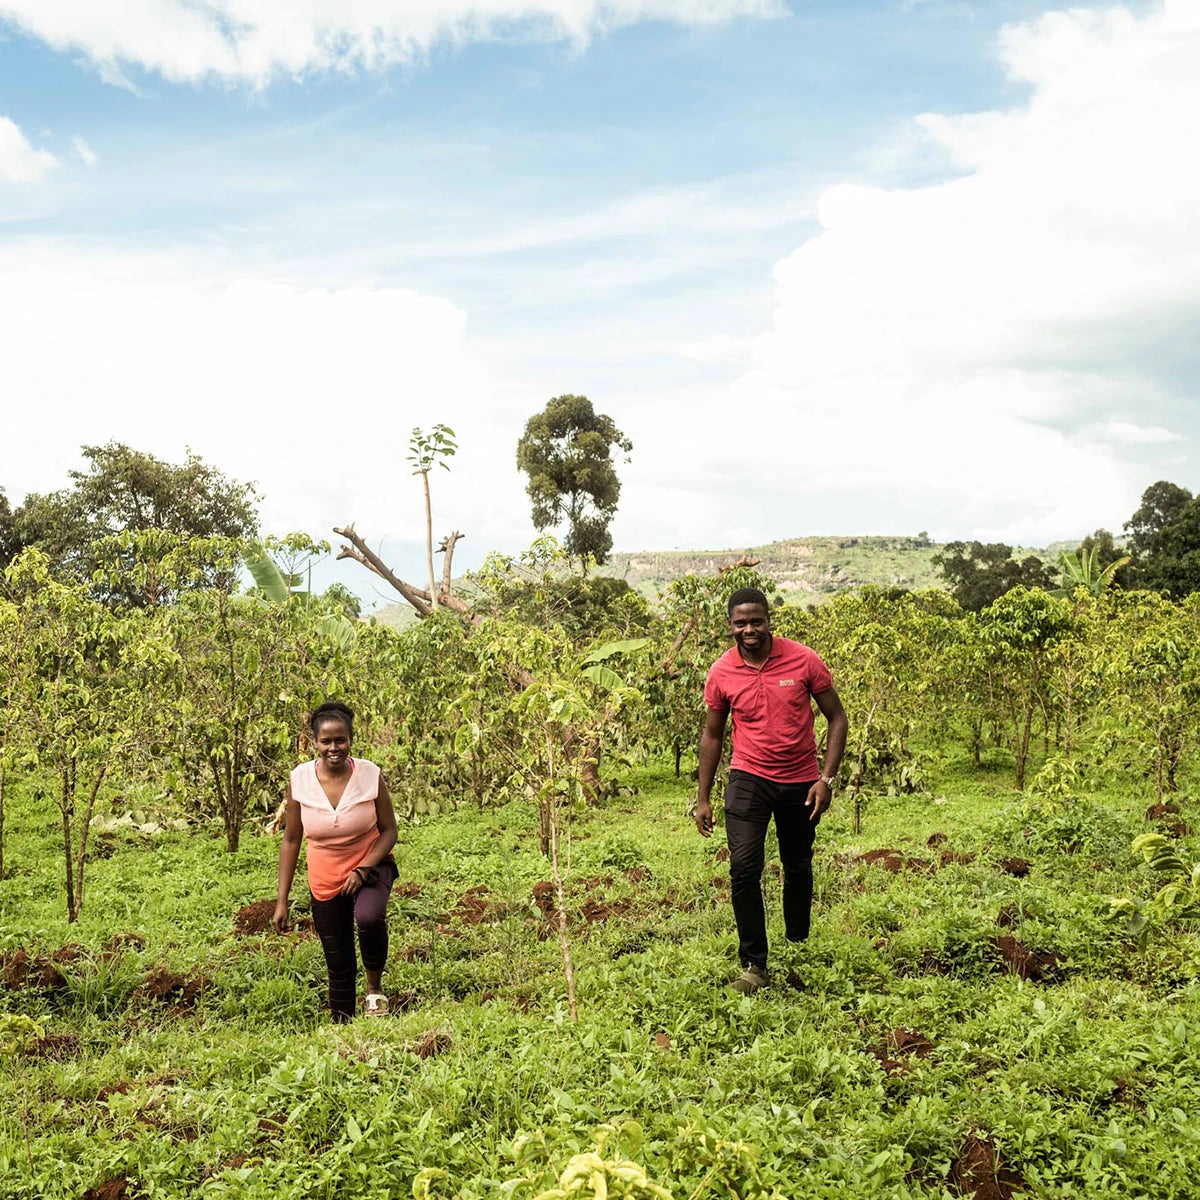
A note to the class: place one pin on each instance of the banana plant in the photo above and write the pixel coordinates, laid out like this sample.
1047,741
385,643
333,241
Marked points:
1083,569
1177,900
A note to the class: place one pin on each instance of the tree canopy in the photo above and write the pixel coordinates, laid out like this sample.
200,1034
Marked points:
125,490
567,452
978,573
1164,535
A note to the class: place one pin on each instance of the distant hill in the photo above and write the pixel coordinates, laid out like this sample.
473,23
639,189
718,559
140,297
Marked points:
808,570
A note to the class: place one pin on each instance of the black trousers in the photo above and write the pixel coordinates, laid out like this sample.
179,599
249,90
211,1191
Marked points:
750,802
335,921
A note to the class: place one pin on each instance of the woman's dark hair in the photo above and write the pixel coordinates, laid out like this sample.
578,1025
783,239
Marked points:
331,710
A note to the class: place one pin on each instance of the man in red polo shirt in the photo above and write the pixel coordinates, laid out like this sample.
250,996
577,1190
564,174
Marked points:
768,683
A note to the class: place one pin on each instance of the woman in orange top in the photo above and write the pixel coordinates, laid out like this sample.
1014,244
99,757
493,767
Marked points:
343,807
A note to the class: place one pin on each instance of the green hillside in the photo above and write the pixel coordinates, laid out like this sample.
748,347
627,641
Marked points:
808,570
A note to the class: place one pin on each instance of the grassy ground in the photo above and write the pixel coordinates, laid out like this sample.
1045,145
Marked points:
898,1053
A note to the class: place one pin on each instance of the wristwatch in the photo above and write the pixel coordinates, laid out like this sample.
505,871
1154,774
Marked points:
827,780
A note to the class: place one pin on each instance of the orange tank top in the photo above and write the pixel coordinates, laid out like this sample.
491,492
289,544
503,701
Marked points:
338,838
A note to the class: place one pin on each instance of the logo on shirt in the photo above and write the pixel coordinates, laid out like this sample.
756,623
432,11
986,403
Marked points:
787,683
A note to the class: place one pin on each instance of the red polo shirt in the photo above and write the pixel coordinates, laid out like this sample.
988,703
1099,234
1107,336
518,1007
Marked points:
772,709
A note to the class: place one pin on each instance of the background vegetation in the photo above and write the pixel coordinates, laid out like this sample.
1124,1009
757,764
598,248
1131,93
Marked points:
1001,992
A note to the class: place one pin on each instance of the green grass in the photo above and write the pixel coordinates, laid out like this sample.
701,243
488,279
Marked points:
1087,1082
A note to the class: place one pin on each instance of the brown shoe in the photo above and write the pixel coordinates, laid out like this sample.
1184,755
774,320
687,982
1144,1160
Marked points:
750,980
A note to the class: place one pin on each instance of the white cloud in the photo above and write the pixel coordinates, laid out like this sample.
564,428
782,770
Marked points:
19,161
254,40
85,153
1138,435
311,392
955,346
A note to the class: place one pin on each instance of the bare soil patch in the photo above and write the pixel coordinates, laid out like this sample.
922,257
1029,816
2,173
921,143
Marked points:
169,988
407,891
936,839
1006,918
110,1189
475,906
254,918
1014,866
908,1041
124,941
543,896
432,1042
929,963
904,1045
892,861
1156,812
20,969
270,1126
637,874
723,854
403,1001
594,911
56,1046
1020,960
979,1171
953,857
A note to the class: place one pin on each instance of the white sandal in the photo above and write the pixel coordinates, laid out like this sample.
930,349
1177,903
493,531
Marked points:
375,1005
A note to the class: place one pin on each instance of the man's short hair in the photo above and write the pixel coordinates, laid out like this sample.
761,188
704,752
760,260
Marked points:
748,595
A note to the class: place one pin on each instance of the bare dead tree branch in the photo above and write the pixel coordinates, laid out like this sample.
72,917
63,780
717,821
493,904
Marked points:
667,666
362,553
447,548
744,561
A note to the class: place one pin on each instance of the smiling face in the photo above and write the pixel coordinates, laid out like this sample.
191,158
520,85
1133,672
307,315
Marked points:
750,625
333,743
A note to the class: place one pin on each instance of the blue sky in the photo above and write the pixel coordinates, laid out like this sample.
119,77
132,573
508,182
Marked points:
857,267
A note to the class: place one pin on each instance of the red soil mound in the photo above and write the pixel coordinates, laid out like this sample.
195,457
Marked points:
254,918
432,1042
1014,866
168,988
110,1189
19,969
1020,960
978,1171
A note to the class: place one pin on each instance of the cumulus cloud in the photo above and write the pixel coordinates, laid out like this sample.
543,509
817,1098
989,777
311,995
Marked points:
254,40
312,392
19,161
955,347
84,152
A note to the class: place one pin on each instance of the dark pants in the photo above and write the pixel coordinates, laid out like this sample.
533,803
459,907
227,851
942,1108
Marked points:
750,802
335,920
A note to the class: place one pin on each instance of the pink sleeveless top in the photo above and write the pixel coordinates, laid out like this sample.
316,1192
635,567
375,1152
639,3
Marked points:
338,838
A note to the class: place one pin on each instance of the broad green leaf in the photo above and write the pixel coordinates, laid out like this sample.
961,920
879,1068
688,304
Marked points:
612,649
267,576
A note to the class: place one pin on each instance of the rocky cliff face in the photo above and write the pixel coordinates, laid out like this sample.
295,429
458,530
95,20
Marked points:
806,569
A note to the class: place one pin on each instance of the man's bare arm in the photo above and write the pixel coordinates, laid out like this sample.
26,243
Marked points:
821,794
830,704
712,741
